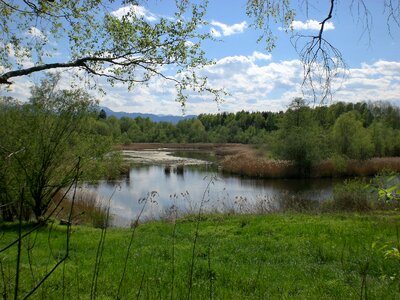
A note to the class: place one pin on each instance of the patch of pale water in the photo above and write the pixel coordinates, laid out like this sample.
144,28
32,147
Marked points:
159,157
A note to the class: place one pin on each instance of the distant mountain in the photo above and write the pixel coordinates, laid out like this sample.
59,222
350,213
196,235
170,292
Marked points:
153,117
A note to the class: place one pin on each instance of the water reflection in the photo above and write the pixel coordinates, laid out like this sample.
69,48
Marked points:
186,188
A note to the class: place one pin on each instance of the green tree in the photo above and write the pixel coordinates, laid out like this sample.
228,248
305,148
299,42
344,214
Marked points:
127,48
351,138
299,137
114,127
45,139
9,116
102,114
131,48
379,136
135,134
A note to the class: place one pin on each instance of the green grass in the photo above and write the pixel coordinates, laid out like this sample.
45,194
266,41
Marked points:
297,256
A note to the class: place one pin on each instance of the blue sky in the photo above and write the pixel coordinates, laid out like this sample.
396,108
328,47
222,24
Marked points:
258,80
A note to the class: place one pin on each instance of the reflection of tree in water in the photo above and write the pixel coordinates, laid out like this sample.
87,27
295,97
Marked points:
176,169
191,181
290,185
180,170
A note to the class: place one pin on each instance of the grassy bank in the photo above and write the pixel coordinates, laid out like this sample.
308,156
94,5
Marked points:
322,256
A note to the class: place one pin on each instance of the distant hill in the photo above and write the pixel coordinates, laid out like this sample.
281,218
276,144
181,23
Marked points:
153,117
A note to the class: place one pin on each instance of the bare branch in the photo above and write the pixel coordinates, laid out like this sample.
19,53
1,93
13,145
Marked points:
34,10
392,7
363,16
322,62
326,19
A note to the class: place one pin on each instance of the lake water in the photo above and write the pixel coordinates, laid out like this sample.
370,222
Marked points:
165,187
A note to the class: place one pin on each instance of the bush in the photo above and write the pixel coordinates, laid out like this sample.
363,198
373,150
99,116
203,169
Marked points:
352,195
351,139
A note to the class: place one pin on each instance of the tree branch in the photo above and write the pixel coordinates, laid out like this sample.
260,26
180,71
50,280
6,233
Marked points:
322,62
4,77
326,19
79,63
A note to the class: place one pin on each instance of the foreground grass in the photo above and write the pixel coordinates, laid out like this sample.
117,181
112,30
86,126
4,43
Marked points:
235,257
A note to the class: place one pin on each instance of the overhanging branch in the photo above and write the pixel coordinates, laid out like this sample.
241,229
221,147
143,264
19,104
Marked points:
79,63
4,78
322,62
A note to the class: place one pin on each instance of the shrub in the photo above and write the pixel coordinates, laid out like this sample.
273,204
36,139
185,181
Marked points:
352,195
298,202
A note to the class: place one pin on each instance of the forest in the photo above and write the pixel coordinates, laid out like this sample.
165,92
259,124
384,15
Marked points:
354,130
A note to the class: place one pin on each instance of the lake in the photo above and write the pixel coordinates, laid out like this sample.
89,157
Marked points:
165,184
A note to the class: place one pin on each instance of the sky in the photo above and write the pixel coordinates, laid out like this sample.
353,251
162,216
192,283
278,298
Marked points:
257,80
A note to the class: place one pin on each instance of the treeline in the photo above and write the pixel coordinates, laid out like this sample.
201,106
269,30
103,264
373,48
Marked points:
377,124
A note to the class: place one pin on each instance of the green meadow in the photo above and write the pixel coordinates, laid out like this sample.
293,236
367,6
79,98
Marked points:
273,256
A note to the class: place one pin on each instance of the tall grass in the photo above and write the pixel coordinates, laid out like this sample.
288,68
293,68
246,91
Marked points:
370,167
353,195
88,209
247,164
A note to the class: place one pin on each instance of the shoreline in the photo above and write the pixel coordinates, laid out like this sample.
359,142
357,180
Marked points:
250,161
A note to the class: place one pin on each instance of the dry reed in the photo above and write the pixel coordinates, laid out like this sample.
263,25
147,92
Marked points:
88,209
246,163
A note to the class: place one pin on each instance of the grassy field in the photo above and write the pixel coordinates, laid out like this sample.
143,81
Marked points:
275,256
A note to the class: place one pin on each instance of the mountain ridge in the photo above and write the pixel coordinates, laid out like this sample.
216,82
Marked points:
153,117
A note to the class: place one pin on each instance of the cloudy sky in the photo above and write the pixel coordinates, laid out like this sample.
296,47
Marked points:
257,80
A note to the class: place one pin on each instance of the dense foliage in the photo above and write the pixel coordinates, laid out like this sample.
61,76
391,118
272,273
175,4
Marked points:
46,145
356,131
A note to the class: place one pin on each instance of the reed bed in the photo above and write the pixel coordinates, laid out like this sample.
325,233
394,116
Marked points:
247,164
88,209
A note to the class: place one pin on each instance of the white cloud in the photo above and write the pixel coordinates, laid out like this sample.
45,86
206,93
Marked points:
311,25
255,83
37,33
215,33
379,81
139,11
22,57
260,56
227,30
20,89
189,44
